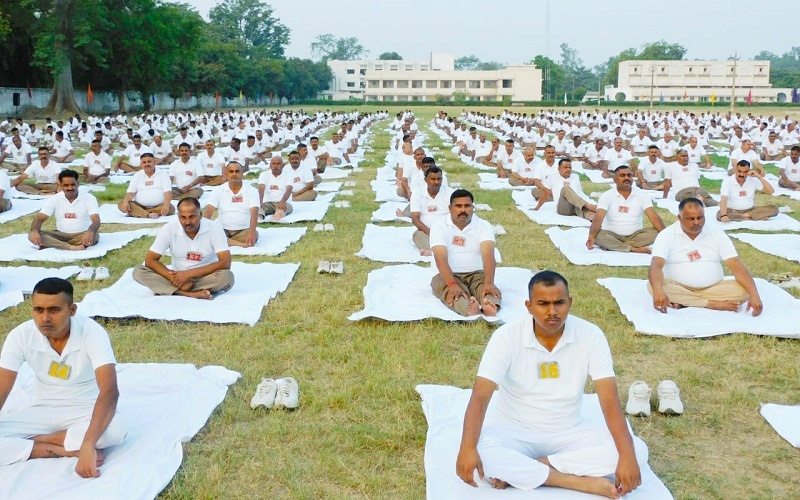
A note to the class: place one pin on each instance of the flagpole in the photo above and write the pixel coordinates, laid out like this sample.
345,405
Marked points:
733,84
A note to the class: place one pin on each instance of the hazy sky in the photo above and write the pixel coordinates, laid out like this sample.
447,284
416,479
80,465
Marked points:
513,31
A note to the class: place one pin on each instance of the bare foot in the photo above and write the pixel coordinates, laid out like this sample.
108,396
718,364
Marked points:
101,458
498,484
200,294
723,305
277,216
640,249
76,247
399,213
425,253
489,308
473,308
153,215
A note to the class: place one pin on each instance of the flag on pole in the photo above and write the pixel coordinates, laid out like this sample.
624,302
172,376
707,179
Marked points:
661,100
216,97
685,95
749,97
795,95
89,94
258,99
30,92
565,98
188,95
713,98
153,99
241,96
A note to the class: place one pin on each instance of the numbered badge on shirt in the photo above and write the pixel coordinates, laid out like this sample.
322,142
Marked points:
59,370
194,256
548,369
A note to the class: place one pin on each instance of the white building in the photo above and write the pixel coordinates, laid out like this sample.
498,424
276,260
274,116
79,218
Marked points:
402,81
697,81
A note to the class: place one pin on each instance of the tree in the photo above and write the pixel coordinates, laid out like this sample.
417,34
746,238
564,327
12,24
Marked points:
251,24
390,56
467,63
554,79
5,26
327,47
785,69
656,51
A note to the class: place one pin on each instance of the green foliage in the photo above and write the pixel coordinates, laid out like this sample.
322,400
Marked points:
250,24
328,47
390,56
5,26
785,69
460,97
553,77
467,63
657,51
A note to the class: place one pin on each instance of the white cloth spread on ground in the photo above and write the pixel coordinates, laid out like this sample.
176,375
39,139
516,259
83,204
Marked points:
387,212
785,420
327,187
21,208
572,243
84,188
255,285
547,214
394,244
595,176
164,405
331,173
272,241
303,211
781,191
444,408
780,245
491,182
403,293
109,214
15,282
780,222
385,191
780,316
18,247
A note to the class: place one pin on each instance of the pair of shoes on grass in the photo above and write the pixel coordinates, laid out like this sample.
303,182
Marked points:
281,393
669,399
331,266
324,227
88,272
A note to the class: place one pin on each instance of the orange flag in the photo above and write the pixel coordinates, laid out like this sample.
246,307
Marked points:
89,95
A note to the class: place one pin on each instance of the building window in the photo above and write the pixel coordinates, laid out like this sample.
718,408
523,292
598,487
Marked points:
431,84
446,84
461,84
635,69
388,84
415,98
690,69
351,72
507,84
663,69
402,98
409,67
374,84
362,85
351,84
378,67
402,84
416,84
490,84
424,67
760,70
362,72
392,67
474,84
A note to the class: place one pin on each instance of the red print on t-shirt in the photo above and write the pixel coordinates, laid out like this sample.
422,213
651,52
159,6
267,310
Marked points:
694,255
194,256
459,241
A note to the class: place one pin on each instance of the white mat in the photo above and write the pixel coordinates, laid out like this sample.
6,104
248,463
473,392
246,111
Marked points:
572,243
785,420
21,208
385,191
164,405
303,211
394,244
255,286
595,176
15,282
444,408
331,173
272,241
780,245
109,214
780,317
403,293
780,222
387,174
386,212
547,214
327,187
781,191
17,247
714,173
490,182
84,188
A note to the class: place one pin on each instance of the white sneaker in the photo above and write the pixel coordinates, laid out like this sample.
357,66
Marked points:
638,400
337,267
86,272
102,273
328,227
288,394
499,230
265,394
324,266
669,398
319,227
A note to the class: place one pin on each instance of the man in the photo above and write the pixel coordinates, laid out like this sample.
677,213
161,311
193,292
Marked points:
745,152
683,178
302,179
617,224
615,157
320,154
96,164
212,164
161,150
131,159
274,190
485,151
566,190
790,170
593,159
686,269
738,196
235,152
149,192
74,411
772,149
697,154
640,144
238,208
650,174
186,174
560,143
507,159
428,206
469,144
201,258
17,156
523,172
77,219
44,173
62,150
463,251
537,435
336,154
5,190
408,162
668,147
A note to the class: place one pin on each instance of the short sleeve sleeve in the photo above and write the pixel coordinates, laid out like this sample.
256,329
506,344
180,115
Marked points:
49,207
604,202
219,242
213,198
438,236
726,248
162,242
496,358
98,345
661,245
600,362
92,207
12,355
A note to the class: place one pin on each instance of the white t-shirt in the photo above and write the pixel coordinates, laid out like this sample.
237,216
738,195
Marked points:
188,253
18,154
62,148
738,155
772,148
623,216
792,170
640,145
44,175
696,263
652,172
556,183
561,146
463,247
300,177
161,151
72,217
543,389
617,158
5,184
211,165
527,170
431,209
510,161
681,176
185,173
150,190
695,154
64,378
667,149
234,209
274,187
593,155
740,197
97,164
134,155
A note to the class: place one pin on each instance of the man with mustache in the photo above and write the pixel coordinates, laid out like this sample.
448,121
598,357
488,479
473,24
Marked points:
428,206
77,220
738,201
686,268
617,224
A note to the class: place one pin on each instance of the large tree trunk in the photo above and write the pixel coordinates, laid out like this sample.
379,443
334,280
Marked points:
62,99
121,99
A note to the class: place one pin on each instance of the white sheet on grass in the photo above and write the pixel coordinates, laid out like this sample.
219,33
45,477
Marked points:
327,187
714,173
780,222
15,282
780,316
491,182
83,188
303,211
403,293
21,208
387,174
255,285
444,408
394,244
547,214
785,420
109,214
386,212
17,247
572,243
781,191
272,241
595,176
164,405
780,245
385,191
332,173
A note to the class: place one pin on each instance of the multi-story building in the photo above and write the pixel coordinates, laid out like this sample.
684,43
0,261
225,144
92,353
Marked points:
437,78
698,81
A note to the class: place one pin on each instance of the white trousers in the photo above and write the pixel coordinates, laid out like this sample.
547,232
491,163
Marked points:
510,452
17,427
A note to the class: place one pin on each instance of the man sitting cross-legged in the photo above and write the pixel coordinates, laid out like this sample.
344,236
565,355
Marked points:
74,412
186,174
77,220
201,257
566,190
428,206
686,269
274,190
44,173
790,170
149,192
738,196
97,164
238,205
463,250
683,178
302,179
537,435
617,225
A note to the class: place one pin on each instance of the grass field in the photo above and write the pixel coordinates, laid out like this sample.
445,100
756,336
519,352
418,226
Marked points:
360,431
